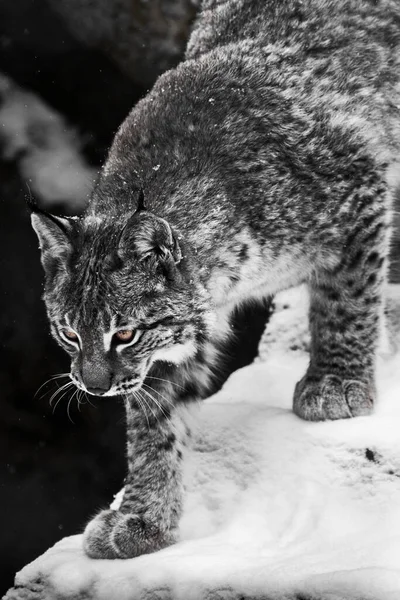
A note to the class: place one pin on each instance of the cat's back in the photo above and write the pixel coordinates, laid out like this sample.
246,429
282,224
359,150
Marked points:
259,77
305,25
341,56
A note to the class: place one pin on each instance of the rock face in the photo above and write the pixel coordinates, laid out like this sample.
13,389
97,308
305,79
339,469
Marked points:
144,37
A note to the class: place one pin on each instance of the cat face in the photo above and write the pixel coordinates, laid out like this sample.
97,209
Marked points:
120,297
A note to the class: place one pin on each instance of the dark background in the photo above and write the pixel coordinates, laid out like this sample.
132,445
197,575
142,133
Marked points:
91,61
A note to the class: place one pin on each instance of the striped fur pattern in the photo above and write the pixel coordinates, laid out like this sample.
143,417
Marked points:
266,159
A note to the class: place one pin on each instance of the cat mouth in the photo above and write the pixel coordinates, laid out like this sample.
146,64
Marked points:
121,388
125,389
115,390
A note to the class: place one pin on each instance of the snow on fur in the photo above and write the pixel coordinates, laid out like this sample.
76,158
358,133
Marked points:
275,507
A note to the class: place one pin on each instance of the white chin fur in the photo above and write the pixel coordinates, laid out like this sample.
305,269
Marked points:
176,354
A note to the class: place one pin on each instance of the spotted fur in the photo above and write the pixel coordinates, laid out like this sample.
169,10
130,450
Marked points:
266,159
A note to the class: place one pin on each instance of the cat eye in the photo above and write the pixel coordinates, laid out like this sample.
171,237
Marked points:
70,335
126,336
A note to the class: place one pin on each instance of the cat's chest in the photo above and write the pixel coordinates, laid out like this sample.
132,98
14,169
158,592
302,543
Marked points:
234,279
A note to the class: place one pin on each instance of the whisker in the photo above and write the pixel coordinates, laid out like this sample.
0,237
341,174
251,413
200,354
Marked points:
166,381
59,376
148,405
139,401
68,405
158,393
87,399
59,390
143,409
156,402
60,398
78,398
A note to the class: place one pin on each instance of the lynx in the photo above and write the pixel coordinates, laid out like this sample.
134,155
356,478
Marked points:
266,159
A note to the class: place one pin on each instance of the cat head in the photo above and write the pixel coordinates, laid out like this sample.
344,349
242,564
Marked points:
120,296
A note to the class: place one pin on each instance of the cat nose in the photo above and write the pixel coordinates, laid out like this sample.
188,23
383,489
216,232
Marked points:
95,380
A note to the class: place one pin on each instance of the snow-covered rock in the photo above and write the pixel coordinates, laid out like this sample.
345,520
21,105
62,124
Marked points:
276,507
48,151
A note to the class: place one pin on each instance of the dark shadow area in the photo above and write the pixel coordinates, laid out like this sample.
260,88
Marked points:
38,52
56,469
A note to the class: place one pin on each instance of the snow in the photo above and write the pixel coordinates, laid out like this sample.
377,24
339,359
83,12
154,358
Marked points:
275,506
48,151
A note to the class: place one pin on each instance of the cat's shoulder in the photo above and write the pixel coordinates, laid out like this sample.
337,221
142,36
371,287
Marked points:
303,24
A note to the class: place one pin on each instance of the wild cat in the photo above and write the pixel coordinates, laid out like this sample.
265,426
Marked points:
267,158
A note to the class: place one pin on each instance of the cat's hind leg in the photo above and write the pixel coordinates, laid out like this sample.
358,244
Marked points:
345,312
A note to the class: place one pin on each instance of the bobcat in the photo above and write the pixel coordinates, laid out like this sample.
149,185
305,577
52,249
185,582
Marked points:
267,158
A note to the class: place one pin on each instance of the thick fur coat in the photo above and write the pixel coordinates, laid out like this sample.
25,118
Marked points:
267,158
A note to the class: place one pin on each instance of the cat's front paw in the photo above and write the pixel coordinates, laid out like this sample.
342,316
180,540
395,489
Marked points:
113,534
329,397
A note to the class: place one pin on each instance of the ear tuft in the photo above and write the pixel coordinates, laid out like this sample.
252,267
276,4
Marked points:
140,206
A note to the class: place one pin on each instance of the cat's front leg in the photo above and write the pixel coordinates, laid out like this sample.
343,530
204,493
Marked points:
345,310
148,517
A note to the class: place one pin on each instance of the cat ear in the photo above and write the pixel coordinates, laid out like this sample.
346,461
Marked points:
152,240
54,235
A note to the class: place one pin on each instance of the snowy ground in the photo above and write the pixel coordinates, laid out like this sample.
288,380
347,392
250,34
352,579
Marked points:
277,508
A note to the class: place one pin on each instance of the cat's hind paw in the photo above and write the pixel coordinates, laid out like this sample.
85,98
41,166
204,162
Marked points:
113,534
329,397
